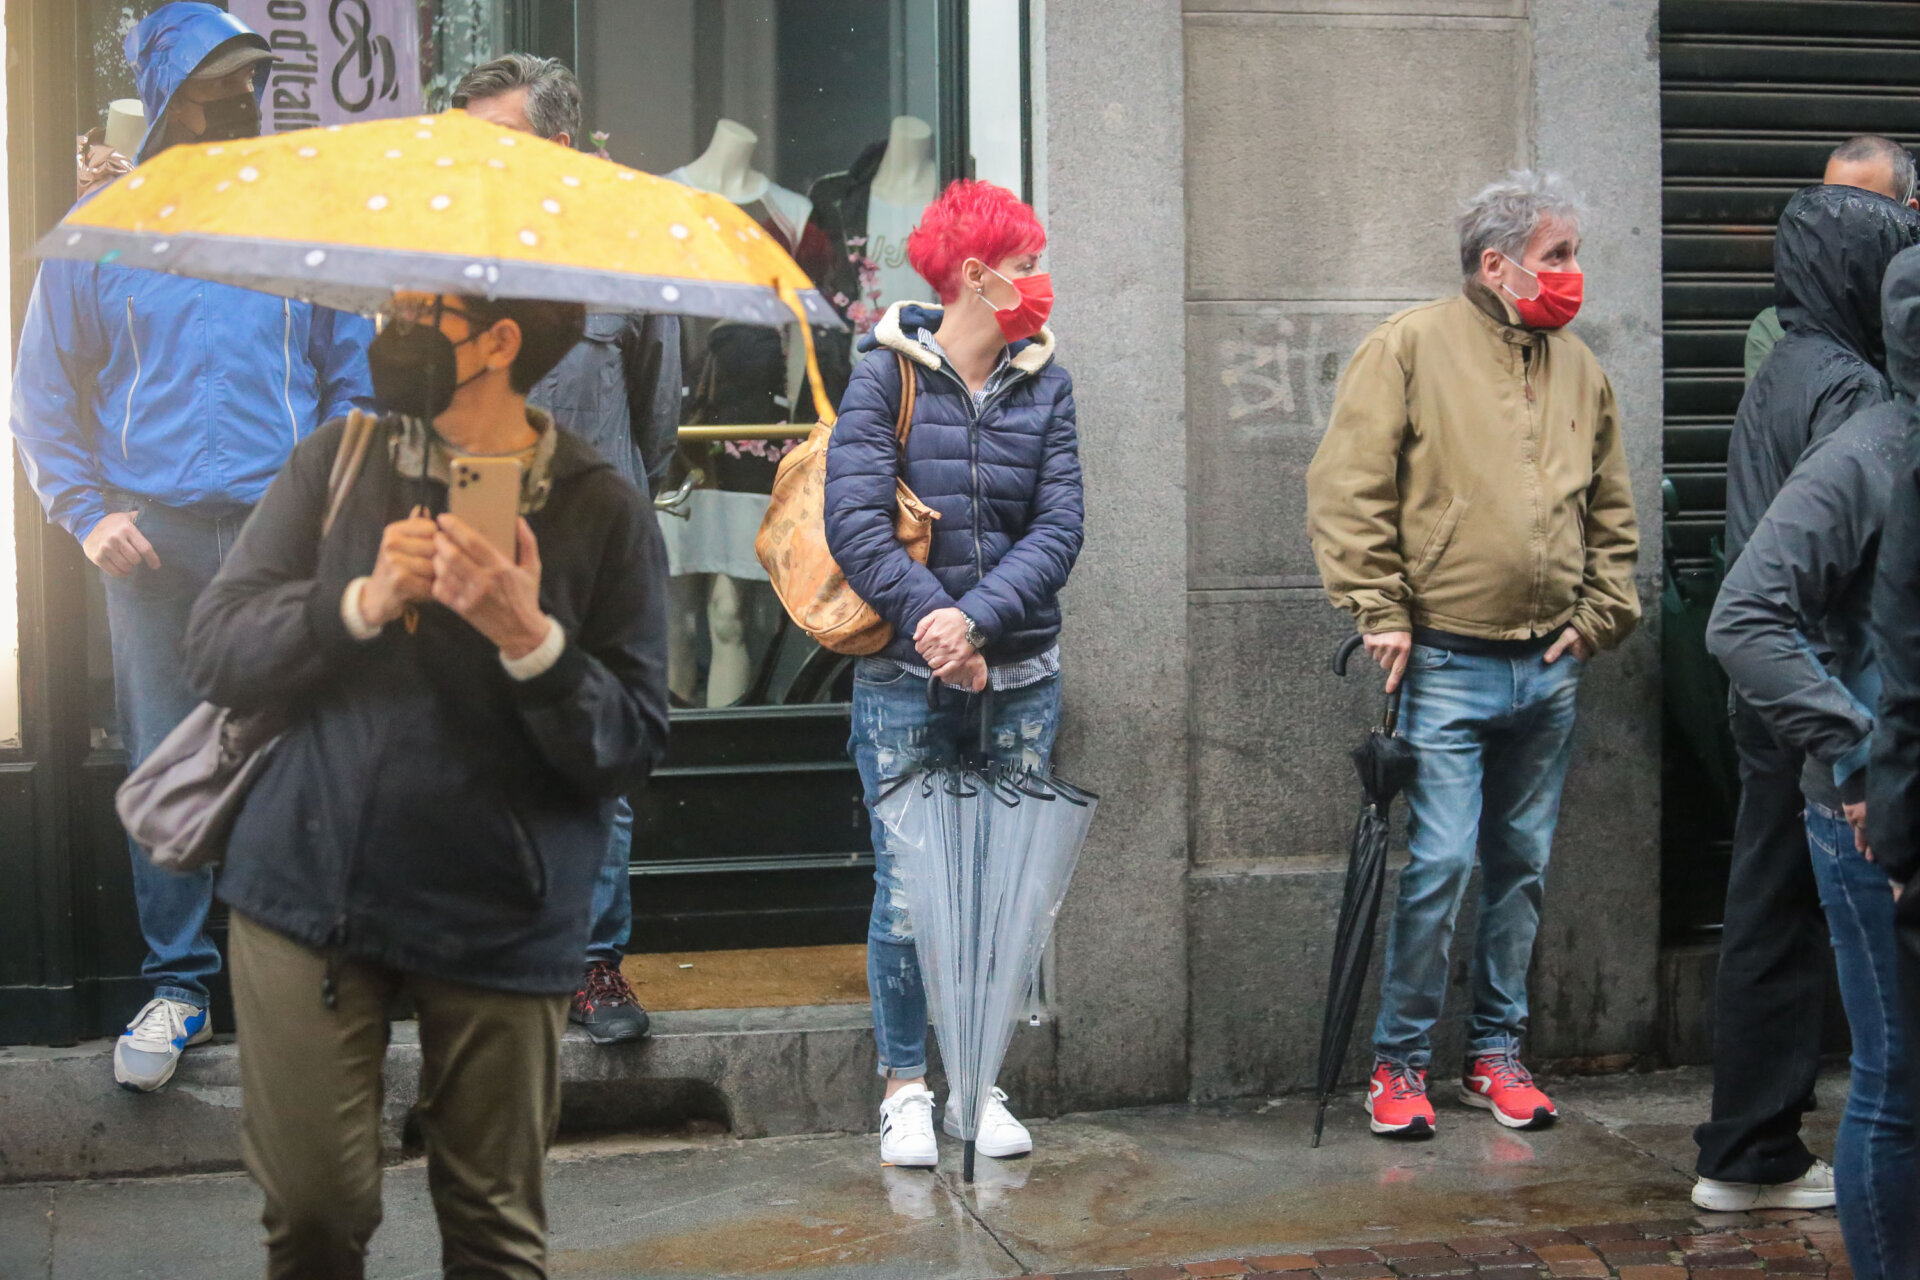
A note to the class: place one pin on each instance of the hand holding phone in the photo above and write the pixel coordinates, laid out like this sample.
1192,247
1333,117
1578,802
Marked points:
499,595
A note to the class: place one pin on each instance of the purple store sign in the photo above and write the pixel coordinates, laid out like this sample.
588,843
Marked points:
337,61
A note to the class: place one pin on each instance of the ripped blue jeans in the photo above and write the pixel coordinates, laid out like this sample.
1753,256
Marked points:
894,732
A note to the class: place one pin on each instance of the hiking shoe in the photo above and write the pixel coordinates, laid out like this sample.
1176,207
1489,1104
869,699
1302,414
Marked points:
606,1006
1498,1083
1001,1136
1397,1102
906,1128
1811,1190
148,1051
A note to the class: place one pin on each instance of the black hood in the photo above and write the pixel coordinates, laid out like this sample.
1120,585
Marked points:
1900,305
1831,251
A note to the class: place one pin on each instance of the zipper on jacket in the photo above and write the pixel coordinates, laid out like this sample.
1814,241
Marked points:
126,424
974,414
286,354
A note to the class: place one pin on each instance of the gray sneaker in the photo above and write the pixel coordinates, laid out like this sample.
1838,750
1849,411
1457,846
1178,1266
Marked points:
1811,1190
148,1051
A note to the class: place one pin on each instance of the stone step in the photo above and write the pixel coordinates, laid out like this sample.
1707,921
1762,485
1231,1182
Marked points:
758,1072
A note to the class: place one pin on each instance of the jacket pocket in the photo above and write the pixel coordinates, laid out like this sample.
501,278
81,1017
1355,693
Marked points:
1437,542
533,868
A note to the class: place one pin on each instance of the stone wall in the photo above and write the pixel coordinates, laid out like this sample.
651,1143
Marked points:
1116,232
1329,143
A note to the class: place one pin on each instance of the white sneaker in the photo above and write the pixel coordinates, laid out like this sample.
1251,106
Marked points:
906,1128
146,1054
1811,1190
1001,1136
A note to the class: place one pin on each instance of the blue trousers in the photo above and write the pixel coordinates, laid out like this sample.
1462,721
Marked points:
894,732
1493,736
613,895
147,614
1874,1162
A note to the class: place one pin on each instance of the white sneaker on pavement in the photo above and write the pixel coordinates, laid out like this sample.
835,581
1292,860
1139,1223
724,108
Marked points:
1811,1190
906,1128
1001,1136
147,1052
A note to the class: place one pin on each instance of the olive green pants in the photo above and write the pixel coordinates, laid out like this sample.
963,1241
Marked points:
310,1109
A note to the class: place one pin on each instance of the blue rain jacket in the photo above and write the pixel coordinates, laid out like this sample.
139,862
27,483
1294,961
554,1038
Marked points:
177,390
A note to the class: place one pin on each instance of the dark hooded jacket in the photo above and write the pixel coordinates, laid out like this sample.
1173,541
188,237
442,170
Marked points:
1792,624
427,811
1829,255
1893,771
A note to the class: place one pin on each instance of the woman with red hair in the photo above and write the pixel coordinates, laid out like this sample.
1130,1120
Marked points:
994,450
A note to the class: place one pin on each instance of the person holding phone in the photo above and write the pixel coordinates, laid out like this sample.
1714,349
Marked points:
464,713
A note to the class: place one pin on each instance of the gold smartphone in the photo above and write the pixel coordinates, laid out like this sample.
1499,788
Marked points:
485,494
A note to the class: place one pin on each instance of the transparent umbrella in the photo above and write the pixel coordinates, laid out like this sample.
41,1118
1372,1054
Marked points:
985,852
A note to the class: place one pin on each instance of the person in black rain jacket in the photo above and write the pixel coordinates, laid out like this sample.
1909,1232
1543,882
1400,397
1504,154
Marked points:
1893,767
437,814
1792,629
1830,253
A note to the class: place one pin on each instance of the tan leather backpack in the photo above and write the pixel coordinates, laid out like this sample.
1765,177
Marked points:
792,543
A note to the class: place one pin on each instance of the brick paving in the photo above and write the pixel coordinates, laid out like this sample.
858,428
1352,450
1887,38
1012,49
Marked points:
1789,1243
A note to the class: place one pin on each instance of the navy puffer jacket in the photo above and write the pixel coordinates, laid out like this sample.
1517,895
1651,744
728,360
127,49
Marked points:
1006,482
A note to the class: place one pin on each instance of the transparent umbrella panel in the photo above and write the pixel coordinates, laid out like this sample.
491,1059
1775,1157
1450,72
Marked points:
984,858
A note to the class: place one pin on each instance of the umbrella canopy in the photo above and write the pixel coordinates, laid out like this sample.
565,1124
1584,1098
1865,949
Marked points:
345,215
1386,764
985,855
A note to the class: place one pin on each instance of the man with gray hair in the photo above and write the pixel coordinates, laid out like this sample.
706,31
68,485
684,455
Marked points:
1871,163
620,389
1469,506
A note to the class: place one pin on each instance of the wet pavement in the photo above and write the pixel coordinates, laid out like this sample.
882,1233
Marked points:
1230,1186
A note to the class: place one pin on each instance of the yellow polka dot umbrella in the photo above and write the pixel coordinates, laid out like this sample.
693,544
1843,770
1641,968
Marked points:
346,215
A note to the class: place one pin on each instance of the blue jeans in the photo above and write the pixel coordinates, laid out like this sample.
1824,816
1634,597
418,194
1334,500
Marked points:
894,732
613,894
1874,1164
147,614
1493,736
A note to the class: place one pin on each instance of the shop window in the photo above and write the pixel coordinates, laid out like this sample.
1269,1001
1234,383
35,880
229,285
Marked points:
830,122
833,122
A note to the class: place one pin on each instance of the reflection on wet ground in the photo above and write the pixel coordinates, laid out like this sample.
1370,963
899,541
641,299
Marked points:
1112,1189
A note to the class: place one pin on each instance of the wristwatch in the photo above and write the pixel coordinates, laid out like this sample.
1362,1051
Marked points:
975,636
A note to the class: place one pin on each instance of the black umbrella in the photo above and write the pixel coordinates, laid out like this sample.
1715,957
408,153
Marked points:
1385,764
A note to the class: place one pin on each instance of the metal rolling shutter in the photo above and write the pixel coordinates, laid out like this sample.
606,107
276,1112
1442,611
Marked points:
1754,94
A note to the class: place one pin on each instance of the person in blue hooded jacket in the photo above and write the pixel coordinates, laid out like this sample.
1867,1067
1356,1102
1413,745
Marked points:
151,412
995,450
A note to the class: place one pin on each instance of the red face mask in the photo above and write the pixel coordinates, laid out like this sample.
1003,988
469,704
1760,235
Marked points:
1026,317
1557,303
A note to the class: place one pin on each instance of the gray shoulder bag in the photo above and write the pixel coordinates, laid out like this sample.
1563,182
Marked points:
179,805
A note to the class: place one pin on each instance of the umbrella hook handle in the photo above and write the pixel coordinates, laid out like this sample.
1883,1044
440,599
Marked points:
986,714
1390,711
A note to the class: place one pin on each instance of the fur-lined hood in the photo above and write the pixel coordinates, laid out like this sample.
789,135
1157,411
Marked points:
898,331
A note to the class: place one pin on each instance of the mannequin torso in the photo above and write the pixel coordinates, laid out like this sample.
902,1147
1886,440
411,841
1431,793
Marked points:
726,166
906,175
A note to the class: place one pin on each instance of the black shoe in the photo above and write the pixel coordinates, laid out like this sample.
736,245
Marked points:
606,1007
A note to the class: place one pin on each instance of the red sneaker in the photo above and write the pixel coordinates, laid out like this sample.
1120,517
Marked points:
1498,1083
1397,1102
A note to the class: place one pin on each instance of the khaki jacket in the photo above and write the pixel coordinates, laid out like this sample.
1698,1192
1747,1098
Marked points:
1472,480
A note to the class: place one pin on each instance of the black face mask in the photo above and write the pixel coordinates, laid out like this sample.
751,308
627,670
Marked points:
415,373
230,118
